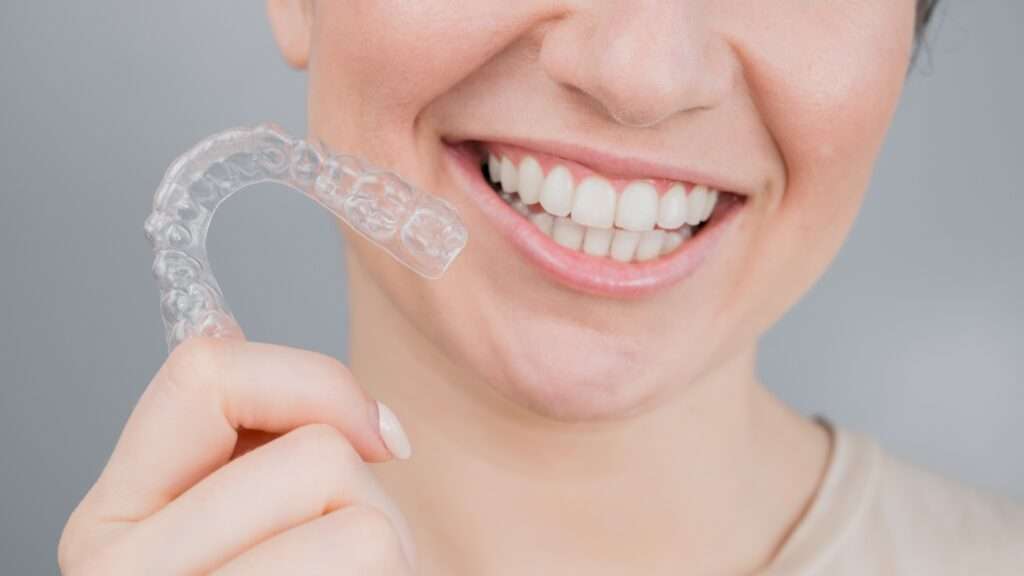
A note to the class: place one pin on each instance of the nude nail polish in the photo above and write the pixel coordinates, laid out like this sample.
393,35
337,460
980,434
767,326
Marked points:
392,432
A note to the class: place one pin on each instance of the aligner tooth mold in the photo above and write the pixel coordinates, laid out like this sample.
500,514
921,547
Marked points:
420,230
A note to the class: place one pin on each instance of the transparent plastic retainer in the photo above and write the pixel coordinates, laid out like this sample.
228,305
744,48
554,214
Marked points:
420,230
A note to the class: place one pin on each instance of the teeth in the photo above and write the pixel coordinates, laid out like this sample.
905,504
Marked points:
672,208
593,218
509,180
672,241
621,245
557,191
567,233
638,207
494,168
649,246
597,241
695,205
520,207
531,179
594,203
709,206
543,220
624,245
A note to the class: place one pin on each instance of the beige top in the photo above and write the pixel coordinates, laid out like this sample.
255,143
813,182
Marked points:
876,514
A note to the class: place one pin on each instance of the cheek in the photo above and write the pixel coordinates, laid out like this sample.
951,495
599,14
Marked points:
376,64
375,67
364,80
827,96
828,93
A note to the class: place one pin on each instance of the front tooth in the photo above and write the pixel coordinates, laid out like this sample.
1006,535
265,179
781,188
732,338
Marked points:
649,246
531,178
597,241
624,245
672,241
638,207
509,179
709,205
494,168
543,220
672,208
695,205
594,203
556,193
567,233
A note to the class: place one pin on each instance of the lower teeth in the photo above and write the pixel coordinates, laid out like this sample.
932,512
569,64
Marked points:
615,243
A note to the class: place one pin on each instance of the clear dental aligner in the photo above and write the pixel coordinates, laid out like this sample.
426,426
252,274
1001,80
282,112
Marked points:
420,230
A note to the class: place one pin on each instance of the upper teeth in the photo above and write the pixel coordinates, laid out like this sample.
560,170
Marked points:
594,201
592,216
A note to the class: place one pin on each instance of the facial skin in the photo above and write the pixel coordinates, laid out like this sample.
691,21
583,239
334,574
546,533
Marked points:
787,101
790,101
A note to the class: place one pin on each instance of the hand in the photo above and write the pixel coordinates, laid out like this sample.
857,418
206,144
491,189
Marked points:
243,458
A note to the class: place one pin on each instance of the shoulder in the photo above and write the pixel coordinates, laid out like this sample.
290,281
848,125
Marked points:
941,525
876,513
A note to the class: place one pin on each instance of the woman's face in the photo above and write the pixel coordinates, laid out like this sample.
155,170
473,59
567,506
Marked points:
782,106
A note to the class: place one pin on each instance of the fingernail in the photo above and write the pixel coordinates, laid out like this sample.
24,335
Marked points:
392,433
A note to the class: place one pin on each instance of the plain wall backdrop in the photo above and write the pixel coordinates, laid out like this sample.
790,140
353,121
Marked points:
914,336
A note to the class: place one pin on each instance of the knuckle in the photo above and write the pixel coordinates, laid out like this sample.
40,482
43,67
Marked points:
65,551
69,545
379,537
110,560
74,561
332,368
332,364
195,363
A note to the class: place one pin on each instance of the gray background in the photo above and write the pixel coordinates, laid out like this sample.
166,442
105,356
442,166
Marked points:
914,336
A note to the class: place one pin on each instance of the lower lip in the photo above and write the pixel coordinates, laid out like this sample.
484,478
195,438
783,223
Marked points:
596,275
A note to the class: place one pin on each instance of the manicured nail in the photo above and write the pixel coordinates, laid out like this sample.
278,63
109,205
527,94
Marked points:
392,433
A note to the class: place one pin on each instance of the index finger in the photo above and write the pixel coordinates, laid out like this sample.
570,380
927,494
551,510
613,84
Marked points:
185,424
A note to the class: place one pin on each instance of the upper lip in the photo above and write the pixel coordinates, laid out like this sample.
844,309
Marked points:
618,165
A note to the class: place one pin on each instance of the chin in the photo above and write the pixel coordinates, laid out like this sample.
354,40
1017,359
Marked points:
574,392
563,371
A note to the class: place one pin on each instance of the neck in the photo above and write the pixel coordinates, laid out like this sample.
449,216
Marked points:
709,481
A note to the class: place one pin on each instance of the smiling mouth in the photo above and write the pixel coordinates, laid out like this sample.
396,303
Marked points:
594,232
625,220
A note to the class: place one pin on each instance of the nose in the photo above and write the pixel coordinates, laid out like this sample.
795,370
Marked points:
642,60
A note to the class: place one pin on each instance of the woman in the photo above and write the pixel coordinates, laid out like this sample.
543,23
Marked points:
648,186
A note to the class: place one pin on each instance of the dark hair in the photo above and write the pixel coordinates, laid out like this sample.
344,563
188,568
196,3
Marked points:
925,9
